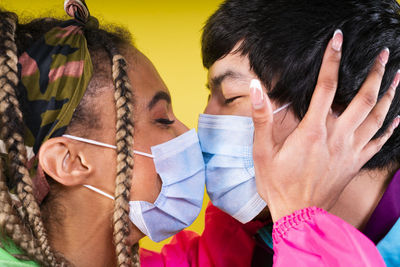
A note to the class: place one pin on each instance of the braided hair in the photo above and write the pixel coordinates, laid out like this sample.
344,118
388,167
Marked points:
124,140
12,132
27,228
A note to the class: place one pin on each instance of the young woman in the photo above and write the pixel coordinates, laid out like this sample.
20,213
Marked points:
63,85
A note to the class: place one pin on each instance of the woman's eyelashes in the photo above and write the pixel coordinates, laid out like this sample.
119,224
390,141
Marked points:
165,121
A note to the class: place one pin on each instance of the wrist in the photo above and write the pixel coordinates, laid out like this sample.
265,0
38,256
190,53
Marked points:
281,211
284,224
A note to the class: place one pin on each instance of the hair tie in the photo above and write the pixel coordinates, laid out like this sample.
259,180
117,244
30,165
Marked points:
77,9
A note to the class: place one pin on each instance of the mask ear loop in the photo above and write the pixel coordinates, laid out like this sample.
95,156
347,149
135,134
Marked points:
281,108
97,143
98,191
93,142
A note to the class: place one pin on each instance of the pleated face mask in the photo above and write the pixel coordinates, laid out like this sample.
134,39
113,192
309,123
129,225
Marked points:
180,165
227,145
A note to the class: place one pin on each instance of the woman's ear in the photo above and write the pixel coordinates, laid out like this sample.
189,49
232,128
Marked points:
64,160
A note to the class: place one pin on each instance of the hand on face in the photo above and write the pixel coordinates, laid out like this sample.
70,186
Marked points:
321,156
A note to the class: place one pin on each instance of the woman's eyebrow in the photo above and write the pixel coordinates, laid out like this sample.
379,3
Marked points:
160,95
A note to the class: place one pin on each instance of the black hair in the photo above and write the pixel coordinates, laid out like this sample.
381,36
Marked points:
285,42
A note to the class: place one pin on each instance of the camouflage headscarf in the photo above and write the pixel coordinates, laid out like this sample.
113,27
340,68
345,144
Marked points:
54,74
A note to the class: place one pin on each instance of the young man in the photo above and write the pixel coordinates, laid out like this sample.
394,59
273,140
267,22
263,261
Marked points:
282,43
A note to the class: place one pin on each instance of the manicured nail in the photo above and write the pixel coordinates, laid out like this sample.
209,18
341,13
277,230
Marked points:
396,122
396,80
337,40
384,56
256,94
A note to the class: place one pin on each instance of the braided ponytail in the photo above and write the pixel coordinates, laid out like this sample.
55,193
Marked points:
124,140
12,132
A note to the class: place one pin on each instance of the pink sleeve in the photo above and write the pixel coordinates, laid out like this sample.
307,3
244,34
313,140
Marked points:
225,242
313,237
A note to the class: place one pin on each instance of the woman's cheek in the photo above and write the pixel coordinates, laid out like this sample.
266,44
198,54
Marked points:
146,184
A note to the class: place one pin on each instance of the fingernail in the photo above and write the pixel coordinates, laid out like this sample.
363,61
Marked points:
256,94
384,56
396,122
337,40
396,80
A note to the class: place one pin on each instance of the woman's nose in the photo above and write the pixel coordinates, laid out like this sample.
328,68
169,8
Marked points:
180,127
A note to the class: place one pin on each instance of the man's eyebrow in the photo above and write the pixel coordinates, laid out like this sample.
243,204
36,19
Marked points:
216,81
160,95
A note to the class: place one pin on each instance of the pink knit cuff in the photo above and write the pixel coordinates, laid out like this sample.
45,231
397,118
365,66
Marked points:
283,225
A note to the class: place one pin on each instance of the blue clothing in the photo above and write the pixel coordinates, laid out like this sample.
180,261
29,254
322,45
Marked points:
389,246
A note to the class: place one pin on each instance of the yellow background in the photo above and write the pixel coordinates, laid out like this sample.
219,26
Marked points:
168,32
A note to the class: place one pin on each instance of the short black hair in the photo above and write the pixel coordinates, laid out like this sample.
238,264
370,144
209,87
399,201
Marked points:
285,42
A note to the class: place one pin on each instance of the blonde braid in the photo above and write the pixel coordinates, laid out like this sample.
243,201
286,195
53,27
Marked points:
12,134
135,255
124,140
12,226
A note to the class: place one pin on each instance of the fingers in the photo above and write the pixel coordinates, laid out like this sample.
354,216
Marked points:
366,98
375,119
325,90
262,119
375,145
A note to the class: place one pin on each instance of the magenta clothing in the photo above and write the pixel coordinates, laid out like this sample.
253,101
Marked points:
225,242
313,237
309,237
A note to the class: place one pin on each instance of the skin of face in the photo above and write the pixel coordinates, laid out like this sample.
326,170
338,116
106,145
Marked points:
85,232
155,123
228,81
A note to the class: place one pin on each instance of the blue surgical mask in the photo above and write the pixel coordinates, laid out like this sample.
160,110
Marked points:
180,165
227,145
